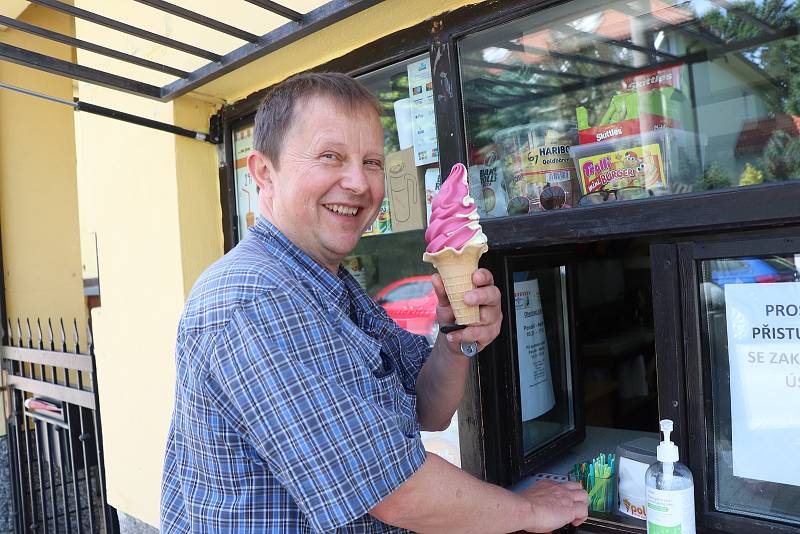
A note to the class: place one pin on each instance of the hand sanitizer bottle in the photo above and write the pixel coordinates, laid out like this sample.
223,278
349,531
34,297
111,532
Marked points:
670,490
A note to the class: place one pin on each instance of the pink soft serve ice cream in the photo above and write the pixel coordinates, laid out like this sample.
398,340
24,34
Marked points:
454,216
456,242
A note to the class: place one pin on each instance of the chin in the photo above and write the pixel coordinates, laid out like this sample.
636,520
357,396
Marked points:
343,246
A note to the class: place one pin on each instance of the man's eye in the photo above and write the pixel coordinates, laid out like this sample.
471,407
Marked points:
374,163
330,156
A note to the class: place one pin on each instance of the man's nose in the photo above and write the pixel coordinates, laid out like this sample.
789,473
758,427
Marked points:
355,179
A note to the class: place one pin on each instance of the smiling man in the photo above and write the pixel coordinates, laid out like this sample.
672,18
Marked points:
298,401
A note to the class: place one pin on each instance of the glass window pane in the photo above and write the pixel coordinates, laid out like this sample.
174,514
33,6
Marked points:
388,259
542,344
405,91
246,192
751,327
583,104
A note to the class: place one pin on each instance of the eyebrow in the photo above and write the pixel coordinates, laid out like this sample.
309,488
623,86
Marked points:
327,141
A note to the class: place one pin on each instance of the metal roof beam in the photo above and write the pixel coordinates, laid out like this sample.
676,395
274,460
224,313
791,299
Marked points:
313,21
516,47
652,52
85,45
201,19
278,9
35,60
127,28
522,68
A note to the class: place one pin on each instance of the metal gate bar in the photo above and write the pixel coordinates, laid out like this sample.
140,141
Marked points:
55,436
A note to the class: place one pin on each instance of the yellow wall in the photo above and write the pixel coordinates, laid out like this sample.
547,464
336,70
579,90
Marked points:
199,210
152,199
38,195
151,247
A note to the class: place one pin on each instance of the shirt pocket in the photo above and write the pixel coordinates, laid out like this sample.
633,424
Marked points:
382,384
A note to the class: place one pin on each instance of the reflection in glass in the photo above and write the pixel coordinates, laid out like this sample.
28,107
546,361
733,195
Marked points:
543,355
405,92
388,260
669,97
750,327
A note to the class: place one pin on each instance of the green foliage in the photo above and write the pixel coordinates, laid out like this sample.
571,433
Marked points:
715,177
751,176
781,157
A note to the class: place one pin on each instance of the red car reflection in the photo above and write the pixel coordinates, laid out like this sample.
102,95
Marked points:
411,302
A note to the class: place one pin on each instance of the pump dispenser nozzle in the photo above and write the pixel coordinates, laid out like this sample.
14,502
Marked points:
667,451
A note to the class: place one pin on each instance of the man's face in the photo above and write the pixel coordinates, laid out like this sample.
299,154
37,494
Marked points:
330,183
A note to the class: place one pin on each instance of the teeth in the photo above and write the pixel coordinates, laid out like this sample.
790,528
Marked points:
342,210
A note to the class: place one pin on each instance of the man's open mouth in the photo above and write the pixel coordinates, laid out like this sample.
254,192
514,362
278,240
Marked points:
342,210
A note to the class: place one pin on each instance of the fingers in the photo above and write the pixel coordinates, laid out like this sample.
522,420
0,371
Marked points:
481,334
491,318
486,296
483,296
581,505
482,277
438,287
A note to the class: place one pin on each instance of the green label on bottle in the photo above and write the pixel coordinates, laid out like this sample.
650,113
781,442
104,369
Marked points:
652,528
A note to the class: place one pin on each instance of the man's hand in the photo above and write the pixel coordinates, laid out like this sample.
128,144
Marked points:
554,505
485,295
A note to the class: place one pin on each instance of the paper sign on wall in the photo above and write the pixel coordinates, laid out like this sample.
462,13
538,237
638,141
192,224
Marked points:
535,379
764,352
423,116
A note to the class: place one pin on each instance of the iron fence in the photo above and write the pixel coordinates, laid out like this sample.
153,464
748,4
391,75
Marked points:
54,431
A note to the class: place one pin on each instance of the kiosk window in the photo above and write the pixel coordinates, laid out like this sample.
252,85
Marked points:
751,312
585,370
586,104
543,353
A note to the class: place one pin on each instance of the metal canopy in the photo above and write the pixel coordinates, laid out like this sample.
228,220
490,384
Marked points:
297,26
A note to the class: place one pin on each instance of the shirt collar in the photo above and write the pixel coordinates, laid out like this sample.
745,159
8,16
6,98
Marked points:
330,287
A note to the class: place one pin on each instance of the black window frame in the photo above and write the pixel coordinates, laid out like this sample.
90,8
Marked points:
510,418
686,255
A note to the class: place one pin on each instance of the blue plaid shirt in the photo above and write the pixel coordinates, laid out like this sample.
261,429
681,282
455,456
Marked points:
295,407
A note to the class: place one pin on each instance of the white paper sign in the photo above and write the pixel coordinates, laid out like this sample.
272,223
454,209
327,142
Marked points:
764,351
423,116
535,379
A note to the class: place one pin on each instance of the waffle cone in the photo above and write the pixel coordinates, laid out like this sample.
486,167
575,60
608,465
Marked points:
456,268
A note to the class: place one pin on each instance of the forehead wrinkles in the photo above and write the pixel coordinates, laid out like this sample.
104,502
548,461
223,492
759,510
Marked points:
320,119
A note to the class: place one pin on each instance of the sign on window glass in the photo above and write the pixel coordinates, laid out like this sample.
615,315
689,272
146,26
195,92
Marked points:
763,323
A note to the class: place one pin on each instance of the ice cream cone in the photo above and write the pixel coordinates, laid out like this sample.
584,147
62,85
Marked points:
456,268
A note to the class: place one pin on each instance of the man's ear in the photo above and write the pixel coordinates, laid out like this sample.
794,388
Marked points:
261,169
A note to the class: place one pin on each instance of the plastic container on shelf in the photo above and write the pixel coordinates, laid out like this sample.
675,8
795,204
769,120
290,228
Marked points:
664,161
537,167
